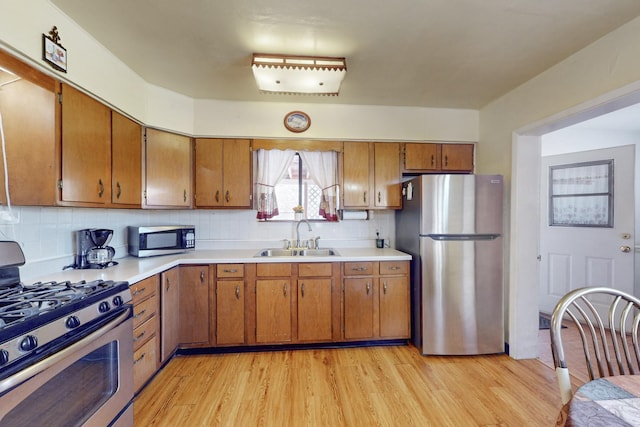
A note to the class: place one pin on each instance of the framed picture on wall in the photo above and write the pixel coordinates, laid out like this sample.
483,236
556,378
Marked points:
581,194
54,54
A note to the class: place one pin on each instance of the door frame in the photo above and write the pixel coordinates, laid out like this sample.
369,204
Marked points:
525,211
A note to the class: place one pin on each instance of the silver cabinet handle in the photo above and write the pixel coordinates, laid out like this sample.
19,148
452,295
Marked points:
135,316
237,291
119,192
139,337
302,290
217,196
139,359
139,291
233,270
384,287
368,288
101,191
202,277
284,289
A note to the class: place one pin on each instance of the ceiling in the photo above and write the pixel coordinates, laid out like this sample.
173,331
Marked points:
428,53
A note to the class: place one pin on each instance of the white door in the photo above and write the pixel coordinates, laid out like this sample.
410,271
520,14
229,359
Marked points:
576,256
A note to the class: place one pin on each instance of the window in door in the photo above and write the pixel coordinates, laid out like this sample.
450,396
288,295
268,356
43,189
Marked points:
581,194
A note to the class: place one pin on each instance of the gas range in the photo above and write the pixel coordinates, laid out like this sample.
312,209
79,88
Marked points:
40,318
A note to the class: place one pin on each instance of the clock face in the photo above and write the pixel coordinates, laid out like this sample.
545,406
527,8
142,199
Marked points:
297,121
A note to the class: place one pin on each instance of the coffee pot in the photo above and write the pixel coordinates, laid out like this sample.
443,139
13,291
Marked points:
92,250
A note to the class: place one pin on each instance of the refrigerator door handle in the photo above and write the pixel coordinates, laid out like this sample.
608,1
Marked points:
463,237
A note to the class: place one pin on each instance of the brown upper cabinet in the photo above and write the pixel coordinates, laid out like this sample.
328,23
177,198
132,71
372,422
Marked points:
86,149
222,173
432,157
371,175
168,170
28,104
126,161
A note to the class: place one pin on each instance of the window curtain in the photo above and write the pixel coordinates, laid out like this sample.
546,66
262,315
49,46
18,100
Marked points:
272,166
323,168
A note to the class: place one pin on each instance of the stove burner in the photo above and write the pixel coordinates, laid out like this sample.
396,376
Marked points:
21,302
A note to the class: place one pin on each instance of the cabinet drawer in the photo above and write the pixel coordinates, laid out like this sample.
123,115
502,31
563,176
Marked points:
393,267
142,333
274,270
358,268
144,363
144,289
230,270
144,310
314,269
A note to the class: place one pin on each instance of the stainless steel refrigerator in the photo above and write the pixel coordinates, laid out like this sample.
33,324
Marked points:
452,226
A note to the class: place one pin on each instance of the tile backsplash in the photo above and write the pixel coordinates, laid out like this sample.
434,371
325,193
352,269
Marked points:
46,234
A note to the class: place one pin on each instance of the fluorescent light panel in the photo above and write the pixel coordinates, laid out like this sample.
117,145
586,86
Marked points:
298,74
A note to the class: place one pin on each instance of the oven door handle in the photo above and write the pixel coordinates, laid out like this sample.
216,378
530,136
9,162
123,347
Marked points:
33,370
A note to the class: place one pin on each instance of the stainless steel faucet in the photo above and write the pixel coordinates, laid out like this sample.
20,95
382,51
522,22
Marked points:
298,231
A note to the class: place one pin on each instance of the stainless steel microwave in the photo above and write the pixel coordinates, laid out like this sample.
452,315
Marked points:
161,240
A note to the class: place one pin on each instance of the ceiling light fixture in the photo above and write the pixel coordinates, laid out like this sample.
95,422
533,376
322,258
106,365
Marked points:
298,74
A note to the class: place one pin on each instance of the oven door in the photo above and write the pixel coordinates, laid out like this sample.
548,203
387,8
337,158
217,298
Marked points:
88,383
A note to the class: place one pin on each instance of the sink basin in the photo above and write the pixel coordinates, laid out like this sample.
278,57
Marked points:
274,252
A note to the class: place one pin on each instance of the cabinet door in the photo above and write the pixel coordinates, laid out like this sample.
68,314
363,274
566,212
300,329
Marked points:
358,308
394,307
167,169
356,174
421,157
29,123
208,173
169,312
230,312
314,310
387,175
237,173
273,311
86,148
457,157
194,305
126,161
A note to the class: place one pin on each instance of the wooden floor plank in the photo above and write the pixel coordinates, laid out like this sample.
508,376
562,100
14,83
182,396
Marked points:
388,385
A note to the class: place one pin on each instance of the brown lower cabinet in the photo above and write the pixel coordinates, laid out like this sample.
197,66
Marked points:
266,304
376,300
230,305
146,337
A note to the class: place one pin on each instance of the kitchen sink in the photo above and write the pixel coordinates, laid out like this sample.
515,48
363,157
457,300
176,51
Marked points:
274,252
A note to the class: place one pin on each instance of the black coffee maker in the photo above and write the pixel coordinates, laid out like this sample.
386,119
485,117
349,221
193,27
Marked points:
92,250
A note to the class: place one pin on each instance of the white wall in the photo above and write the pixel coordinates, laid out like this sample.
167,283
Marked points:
609,64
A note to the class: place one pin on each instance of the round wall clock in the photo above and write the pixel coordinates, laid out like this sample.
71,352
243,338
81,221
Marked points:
297,121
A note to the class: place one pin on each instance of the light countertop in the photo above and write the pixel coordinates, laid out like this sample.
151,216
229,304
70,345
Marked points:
134,269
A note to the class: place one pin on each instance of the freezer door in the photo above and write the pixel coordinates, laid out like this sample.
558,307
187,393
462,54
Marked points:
461,204
462,296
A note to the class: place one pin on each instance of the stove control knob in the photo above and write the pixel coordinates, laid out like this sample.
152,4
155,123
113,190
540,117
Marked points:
72,322
104,307
28,343
118,301
4,357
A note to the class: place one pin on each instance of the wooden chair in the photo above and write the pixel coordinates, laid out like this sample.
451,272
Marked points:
597,336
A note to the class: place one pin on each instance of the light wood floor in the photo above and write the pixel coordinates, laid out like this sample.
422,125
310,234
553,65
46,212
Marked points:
374,386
